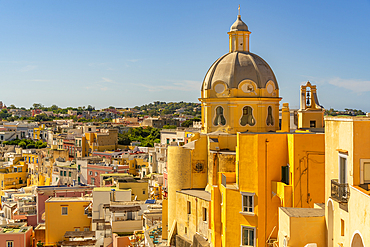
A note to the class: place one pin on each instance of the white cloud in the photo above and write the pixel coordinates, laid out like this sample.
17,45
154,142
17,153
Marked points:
106,79
184,85
104,88
355,85
28,68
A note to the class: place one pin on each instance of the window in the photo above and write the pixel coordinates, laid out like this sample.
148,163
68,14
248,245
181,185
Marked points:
313,124
342,168
219,118
189,207
96,174
69,174
205,214
64,210
65,173
92,181
341,227
270,119
248,234
168,141
79,179
19,169
143,192
173,140
90,173
9,244
247,117
364,171
61,173
248,202
77,229
86,229
79,143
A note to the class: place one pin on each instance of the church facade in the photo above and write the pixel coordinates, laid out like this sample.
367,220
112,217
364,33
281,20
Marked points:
225,186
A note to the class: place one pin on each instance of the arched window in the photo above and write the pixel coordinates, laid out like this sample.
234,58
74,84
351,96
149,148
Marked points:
270,118
247,117
219,119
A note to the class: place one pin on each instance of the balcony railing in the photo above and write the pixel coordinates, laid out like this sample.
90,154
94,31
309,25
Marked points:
339,192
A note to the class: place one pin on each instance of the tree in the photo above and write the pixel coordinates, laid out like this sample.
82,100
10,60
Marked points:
37,105
54,108
90,108
124,139
169,127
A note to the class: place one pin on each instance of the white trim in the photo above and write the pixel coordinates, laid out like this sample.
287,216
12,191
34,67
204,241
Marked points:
344,156
241,234
362,161
359,233
247,194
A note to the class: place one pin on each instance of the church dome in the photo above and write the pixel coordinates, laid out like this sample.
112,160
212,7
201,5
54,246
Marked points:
239,25
237,66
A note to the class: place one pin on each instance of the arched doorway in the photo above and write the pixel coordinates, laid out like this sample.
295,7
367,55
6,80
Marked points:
330,223
357,240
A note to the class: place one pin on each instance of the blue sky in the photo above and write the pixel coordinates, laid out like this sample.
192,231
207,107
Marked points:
127,53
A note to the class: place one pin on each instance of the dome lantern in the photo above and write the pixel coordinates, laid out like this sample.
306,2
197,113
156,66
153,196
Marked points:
239,36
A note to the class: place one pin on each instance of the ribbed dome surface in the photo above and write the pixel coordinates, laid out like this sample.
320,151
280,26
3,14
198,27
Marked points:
234,67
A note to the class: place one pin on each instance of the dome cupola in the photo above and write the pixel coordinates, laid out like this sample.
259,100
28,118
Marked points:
239,25
240,91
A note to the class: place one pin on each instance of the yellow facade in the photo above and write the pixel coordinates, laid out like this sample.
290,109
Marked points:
100,142
13,176
298,227
248,164
37,132
311,113
347,193
65,214
139,190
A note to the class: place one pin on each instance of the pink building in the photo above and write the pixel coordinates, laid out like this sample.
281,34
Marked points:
15,236
94,171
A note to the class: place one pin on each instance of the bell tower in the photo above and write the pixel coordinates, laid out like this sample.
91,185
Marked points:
311,113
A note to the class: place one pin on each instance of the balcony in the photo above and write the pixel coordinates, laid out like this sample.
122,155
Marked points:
339,192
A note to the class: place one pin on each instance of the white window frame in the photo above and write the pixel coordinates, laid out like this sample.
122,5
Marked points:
241,235
90,173
344,156
62,211
247,194
362,179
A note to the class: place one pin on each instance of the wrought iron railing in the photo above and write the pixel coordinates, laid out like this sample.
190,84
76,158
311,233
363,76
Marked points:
339,191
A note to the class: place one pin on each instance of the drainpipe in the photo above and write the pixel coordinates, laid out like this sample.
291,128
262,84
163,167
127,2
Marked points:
266,142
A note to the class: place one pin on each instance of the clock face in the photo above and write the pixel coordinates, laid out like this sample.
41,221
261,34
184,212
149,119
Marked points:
199,167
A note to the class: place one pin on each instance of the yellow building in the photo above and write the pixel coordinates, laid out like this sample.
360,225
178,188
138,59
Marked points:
38,172
225,186
13,176
39,133
347,191
311,113
64,214
139,188
347,179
